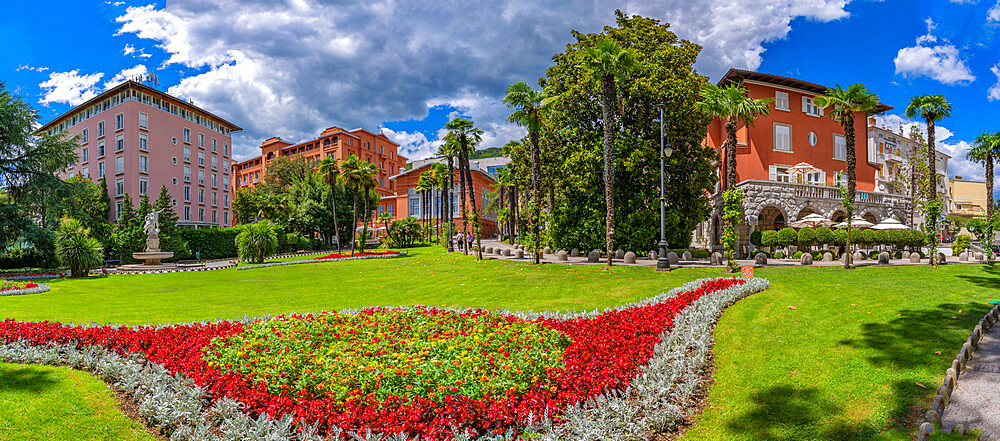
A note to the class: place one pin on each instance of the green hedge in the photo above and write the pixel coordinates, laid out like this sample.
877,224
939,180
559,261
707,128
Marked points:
212,243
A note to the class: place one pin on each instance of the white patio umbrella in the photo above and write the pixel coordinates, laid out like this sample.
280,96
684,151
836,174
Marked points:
802,169
812,221
856,222
890,224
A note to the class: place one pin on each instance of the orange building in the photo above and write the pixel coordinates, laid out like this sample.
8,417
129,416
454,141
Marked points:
796,131
334,142
406,202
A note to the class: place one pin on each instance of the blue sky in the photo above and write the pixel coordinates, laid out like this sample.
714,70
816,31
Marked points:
292,68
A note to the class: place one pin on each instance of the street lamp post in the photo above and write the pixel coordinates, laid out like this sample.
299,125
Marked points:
662,263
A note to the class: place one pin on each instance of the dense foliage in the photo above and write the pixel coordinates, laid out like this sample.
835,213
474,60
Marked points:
76,249
257,241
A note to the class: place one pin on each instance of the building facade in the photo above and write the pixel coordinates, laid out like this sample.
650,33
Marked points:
406,202
140,139
967,200
334,142
796,131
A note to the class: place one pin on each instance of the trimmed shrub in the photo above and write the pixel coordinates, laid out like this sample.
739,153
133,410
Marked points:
897,255
797,255
756,238
962,242
873,255
787,236
825,236
211,243
769,238
840,237
817,255
806,237
779,255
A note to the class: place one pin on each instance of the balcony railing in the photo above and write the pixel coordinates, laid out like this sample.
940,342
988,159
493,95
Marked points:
818,192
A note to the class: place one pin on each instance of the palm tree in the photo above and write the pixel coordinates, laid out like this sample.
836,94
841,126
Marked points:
359,176
330,172
931,108
732,104
440,173
449,149
987,145
528,104
368,172
425,184
466,134
608,61
843,105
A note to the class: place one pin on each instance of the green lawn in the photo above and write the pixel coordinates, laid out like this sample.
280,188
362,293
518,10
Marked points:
844,365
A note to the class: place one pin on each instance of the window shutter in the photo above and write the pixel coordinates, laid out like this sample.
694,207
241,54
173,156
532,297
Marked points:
872,154
820,109
822,177
805,105
772,172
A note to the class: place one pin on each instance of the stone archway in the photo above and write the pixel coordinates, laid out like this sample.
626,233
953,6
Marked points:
839,216
805,211
868,216
771,218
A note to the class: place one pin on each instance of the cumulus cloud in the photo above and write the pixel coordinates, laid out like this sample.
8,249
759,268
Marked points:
129,49
125,74
994,13
994,93
897,123
290,69
69,87
939,62
31,68
957,165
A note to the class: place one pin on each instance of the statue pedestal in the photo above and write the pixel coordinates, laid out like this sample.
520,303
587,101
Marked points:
151,261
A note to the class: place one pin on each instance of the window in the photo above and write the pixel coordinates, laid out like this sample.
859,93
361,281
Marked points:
119,121
225,200
100,129
215,145
839,147
201,140
187,135
187,154
809,108
215,180
779,173
143,121
187,173
214,218
389,207
215,163
225,218
100,149
225,149
118,209
119,142
381,182
414,207
187,213
815,178
85,172
85,135
215,198
201,177
100,170
84,155
143,142
119,164
201,215
187,193
144,163
201,158
143,186
119,186
813,139
781,101
201,195
782,137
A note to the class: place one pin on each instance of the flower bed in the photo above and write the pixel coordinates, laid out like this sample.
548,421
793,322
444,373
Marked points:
341,258
16,288
33,276
424,371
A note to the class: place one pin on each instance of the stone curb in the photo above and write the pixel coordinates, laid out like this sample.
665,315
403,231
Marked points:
958,365
178,270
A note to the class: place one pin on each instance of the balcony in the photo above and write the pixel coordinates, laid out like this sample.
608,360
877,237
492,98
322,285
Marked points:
792,197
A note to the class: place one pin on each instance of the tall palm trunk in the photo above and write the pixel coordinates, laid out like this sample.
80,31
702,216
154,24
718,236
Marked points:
451,211
515,214
536,188
730,147
364,229
607,102
851,182
989,206
472,196
336,230
461,200
354,222
932,185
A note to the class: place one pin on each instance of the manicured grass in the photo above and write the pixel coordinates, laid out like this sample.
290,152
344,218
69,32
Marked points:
48,403
844,365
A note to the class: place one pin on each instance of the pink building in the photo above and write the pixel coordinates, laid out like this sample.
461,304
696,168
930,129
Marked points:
141,139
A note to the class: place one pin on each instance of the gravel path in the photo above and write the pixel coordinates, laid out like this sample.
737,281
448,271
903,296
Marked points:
976,400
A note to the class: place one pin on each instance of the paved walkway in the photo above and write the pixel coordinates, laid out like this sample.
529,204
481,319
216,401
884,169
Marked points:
694,263
975,402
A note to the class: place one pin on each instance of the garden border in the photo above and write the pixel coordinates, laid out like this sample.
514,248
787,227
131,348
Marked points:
657,399
175,270
335,259
958,365
21,292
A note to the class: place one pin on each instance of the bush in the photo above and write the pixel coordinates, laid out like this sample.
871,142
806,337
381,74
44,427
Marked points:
897,255
76,249
755,252
962,242
824,236
769,238
873,255
35,248
756,238
211,243
403,233
256,241
787,236
779,255
806,237
817,255
840,237
896,238
797,255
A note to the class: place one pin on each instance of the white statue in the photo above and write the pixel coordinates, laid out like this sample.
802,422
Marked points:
152,227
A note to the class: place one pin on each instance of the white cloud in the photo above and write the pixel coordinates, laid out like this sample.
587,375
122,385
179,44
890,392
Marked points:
129,49
994,13
125,74
291,70
33,69
994,93
413,145
69,87
957,165
896,123
941,62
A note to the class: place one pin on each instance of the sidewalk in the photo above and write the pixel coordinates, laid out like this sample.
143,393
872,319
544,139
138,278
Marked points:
975,402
